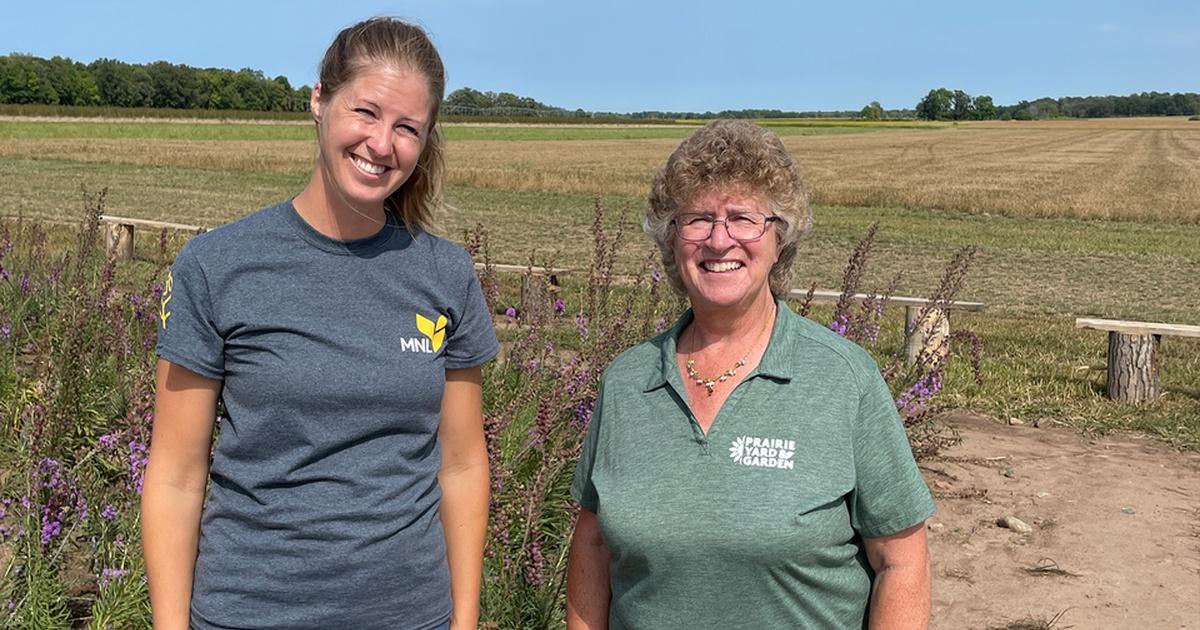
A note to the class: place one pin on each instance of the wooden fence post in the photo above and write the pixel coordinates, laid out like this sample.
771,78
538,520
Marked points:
1132,368
932,332
118,241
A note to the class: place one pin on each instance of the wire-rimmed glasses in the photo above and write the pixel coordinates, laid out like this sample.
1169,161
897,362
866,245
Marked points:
741,226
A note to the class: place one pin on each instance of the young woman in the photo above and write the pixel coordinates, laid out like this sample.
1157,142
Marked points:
349,478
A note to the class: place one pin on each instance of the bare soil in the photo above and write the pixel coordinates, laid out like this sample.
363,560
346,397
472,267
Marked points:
1115,540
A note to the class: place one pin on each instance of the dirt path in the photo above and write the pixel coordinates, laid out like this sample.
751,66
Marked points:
1115,527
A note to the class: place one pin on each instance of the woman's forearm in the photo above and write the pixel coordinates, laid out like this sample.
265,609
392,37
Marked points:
464,513
170,533
464,482
900,598
174,487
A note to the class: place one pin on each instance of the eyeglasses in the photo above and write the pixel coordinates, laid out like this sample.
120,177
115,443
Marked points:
741,226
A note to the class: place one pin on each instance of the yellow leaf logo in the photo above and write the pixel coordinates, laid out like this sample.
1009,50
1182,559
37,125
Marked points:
163,313
435,332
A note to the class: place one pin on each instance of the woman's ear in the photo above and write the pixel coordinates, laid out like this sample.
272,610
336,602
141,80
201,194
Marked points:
314,102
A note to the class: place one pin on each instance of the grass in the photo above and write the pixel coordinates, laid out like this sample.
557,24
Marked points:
1038,267
303,130
1071,170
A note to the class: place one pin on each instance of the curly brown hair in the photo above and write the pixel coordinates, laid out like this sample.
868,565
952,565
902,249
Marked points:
727,156
395,43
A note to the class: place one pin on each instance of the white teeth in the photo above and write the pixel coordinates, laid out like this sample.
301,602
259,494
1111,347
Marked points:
720,267
365,166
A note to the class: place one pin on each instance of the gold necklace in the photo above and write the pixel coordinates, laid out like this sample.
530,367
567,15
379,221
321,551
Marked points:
710,383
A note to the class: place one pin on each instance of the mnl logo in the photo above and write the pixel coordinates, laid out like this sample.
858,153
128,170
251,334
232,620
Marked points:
435,336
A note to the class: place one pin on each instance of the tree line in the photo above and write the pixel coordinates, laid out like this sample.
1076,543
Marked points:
26,79
468,101
945,104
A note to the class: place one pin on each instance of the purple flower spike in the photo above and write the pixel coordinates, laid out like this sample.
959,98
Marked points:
510,312
560,306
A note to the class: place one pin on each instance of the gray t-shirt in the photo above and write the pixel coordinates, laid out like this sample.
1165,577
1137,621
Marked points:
323,507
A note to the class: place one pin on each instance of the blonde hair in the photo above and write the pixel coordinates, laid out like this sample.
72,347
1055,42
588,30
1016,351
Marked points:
731,156
394,43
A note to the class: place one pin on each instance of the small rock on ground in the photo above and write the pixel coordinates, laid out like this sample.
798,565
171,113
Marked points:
1015,524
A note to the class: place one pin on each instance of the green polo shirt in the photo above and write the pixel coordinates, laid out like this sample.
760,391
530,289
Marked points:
757,524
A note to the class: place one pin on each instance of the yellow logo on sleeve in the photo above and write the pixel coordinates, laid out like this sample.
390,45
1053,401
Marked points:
435,332
163,313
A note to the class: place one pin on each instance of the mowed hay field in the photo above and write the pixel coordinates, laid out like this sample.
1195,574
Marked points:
1134,172
1070,218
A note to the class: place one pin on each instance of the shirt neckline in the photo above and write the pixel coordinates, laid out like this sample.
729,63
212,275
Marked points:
774,363
352,247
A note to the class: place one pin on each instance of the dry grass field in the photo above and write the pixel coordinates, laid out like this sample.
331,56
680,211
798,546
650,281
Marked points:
1124,169
1135,171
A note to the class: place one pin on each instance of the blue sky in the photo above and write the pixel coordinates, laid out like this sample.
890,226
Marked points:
680,56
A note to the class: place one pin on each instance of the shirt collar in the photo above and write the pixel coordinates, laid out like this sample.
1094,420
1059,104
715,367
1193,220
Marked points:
776,361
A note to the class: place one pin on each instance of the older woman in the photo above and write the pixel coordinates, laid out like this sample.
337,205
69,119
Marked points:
746,468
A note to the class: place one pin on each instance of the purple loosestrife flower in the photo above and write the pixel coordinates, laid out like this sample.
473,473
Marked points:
108,440
916,397
109,513
560,306
536,569
581,324
542,424
24,282
138,456
510,313
51,525
838,325
583,412
3,274
5,331
108,576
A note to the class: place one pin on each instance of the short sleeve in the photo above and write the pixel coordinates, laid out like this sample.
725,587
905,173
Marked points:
473,339
889,493
187,333
582,489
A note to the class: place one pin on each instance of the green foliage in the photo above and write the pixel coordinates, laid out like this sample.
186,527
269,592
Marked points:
942,104
874,111
538,400
25,79
935,105
77,372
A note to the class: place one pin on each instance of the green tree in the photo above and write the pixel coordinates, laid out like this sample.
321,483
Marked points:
984,108
874,111
122,84
935,105
961,106
24,80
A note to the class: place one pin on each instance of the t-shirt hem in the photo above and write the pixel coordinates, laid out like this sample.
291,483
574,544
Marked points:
898,524
474,361
189,363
